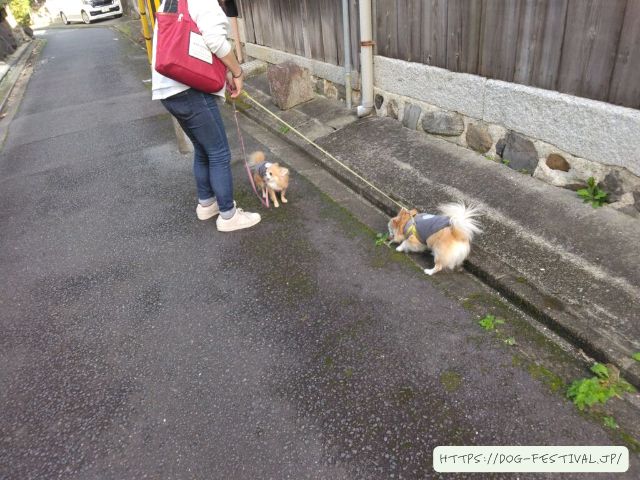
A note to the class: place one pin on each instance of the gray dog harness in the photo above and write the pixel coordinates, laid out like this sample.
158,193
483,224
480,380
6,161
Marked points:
424,225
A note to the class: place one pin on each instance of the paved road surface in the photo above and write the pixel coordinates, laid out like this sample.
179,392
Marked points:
138,342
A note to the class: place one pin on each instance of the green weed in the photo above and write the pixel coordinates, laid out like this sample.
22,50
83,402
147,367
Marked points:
593,194
610,422
381,239
599,389
636,356
490,322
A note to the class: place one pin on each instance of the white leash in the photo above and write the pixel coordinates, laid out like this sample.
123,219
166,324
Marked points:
311,142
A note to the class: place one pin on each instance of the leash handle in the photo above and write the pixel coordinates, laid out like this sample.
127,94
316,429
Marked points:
246,163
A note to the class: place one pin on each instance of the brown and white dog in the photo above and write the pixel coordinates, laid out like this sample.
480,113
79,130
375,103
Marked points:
448,236
269,177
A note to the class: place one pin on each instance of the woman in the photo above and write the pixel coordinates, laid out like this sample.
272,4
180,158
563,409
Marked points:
199,116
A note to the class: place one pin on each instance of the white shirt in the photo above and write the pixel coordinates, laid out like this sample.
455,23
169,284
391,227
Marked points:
213,25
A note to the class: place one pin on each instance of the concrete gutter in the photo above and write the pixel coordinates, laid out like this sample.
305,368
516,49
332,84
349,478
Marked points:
10,70
594,309
12,79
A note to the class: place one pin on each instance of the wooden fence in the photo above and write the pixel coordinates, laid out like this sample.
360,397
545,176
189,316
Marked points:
589,48
310,28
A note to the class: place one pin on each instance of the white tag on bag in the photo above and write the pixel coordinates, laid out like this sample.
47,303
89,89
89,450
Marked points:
198,49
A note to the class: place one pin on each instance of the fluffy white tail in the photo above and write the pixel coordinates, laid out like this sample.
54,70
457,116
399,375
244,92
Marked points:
256,157
463,218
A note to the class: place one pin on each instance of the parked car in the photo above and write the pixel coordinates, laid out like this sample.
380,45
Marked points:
88,10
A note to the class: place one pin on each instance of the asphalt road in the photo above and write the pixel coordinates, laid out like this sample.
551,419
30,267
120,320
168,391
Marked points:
138,342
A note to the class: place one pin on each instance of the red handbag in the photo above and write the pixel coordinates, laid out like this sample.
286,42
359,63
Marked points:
181,53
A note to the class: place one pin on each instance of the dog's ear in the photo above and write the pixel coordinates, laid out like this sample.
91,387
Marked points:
285,171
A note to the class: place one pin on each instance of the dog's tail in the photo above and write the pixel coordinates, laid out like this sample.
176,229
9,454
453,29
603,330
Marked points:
463,218
255,158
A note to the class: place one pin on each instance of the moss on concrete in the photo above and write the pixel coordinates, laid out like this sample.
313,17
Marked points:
546,376
451,380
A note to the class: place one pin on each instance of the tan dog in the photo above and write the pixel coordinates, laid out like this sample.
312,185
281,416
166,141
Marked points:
269,177
448,236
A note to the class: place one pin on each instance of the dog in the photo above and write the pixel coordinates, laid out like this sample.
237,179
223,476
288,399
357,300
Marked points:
269,177
448,236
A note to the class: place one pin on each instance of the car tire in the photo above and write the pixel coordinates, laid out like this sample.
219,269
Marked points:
64,18
85,17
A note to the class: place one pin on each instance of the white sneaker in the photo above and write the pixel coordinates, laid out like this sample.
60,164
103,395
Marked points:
240,220
205,213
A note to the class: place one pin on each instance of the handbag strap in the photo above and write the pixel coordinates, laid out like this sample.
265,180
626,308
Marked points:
170,6
176,6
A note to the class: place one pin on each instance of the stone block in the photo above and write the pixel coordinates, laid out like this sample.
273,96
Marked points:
500,144
379,100
330,90
392,109
448,124
478,137
586,128
318,85
613,185
290,85
636,199
411,116
556,161
520,153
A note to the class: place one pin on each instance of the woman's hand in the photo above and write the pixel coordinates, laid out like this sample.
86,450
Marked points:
235,84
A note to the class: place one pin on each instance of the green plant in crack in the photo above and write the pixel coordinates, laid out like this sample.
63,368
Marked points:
381,239
284,129
610,422
636,356
599,389
593,194
490,322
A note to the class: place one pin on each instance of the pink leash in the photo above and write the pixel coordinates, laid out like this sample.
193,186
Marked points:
263,201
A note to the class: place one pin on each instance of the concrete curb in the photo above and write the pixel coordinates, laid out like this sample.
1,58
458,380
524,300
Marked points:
10,79
18,59
533,299
117,27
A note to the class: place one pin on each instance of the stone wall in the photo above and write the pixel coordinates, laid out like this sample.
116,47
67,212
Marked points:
560,139
11,34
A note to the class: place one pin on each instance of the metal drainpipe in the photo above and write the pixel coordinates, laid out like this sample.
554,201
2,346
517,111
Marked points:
366,59
347,51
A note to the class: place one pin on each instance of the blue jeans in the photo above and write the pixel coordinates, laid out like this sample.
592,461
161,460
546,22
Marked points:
199,116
